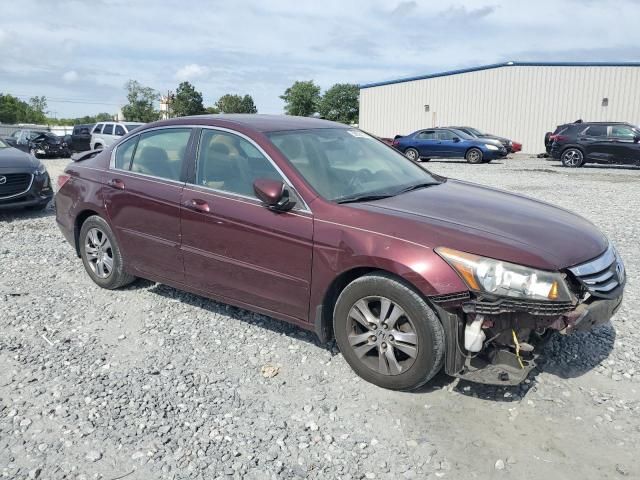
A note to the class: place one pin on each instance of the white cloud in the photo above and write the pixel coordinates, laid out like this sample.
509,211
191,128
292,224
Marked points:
70,76
191,71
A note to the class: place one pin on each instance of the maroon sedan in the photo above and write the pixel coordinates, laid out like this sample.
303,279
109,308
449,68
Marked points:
319,224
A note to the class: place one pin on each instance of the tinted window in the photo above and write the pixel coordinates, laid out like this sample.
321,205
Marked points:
160,153
98,128
596,131
231,163
108,129
125,152
120,130
428,135
622,131
446,135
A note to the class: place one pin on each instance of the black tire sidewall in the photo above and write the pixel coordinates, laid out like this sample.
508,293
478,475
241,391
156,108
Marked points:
118,276
428,328
480,159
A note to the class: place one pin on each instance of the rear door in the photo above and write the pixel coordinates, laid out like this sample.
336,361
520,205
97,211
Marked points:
144,189
625,149
596,143
427,143
234,248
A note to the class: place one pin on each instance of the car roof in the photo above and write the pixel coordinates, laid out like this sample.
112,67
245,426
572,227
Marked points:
257,122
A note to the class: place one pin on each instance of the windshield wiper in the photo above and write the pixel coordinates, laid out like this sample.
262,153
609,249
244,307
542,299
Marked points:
416,187
364,198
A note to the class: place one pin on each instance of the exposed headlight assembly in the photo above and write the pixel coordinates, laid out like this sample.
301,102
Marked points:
41,170
506,279
491,147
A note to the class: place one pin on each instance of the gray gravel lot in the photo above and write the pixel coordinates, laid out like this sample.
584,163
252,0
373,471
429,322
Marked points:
149,382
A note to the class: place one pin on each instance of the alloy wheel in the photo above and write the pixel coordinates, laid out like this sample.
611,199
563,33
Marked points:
572,158
382,336
99,253
474,156
412,154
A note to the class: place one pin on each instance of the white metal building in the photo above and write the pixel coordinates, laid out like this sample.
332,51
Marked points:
518,100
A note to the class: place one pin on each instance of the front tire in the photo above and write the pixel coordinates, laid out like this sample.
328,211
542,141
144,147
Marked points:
474,155
387,333
101,254
572,158
412,154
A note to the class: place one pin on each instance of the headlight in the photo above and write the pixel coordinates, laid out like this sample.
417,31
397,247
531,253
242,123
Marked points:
491,147
41,170
506,279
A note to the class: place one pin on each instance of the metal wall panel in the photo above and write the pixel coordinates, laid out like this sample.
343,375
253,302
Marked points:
518,102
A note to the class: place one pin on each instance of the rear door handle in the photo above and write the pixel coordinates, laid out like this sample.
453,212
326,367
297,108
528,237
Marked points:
197,205
116,183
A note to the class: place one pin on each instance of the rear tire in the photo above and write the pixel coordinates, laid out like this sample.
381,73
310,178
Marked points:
474,155
572,158
98,146
387,333
101,255
412,154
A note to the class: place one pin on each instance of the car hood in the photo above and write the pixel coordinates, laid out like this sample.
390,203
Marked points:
496,138
492,223
14,158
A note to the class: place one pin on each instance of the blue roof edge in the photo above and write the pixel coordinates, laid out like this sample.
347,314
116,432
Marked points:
499,65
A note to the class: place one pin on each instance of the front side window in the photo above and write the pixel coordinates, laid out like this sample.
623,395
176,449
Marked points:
160,153
124,153
108,129
623,132
97,128
445,135
345,164
231,163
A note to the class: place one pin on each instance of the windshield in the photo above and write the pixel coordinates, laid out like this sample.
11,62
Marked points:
131,126
343,164
475,131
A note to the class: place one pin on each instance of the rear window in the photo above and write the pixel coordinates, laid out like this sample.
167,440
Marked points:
596,131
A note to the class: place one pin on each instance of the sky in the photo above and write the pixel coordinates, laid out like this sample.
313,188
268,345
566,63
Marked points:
79,54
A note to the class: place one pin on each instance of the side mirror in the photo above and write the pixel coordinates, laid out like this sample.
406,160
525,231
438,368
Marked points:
274,194
456,139
636,138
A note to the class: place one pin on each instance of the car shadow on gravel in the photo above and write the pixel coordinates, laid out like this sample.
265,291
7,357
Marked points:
26,214
464,162
252,318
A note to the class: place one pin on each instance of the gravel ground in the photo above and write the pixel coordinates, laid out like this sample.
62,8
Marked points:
148,382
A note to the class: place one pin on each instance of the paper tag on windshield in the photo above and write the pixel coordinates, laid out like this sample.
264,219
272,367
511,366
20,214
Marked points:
358,134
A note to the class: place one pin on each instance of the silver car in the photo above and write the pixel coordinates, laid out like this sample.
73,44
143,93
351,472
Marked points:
106,133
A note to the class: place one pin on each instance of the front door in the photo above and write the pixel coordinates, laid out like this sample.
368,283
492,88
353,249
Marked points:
450,144
142,197
234,248
596,143
625,147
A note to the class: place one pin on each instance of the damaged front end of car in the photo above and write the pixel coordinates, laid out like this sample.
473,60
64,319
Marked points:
496,328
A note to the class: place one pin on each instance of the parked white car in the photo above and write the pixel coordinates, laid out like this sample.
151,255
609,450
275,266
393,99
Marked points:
106,133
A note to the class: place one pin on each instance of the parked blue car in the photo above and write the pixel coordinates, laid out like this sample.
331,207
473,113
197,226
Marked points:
448,143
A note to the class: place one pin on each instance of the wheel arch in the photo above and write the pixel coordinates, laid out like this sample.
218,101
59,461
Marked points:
77,226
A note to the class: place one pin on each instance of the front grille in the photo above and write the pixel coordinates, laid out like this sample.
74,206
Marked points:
602,275
511,305
14,184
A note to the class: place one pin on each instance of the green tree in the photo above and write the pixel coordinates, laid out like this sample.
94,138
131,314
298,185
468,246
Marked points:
211,110
37,110
187,101
141,103
236,104
340,103
14,110
301,98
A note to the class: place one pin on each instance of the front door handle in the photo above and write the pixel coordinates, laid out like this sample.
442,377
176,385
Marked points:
116,183
197,205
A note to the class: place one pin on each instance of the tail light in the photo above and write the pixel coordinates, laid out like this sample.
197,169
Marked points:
62,179
558,138
395,143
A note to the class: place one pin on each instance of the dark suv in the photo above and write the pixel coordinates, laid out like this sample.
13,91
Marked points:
596,142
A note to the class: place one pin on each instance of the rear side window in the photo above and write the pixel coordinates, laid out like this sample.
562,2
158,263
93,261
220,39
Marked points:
124,153
108,129
622,132
428,135
160,153
97,128
120,131
596,131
